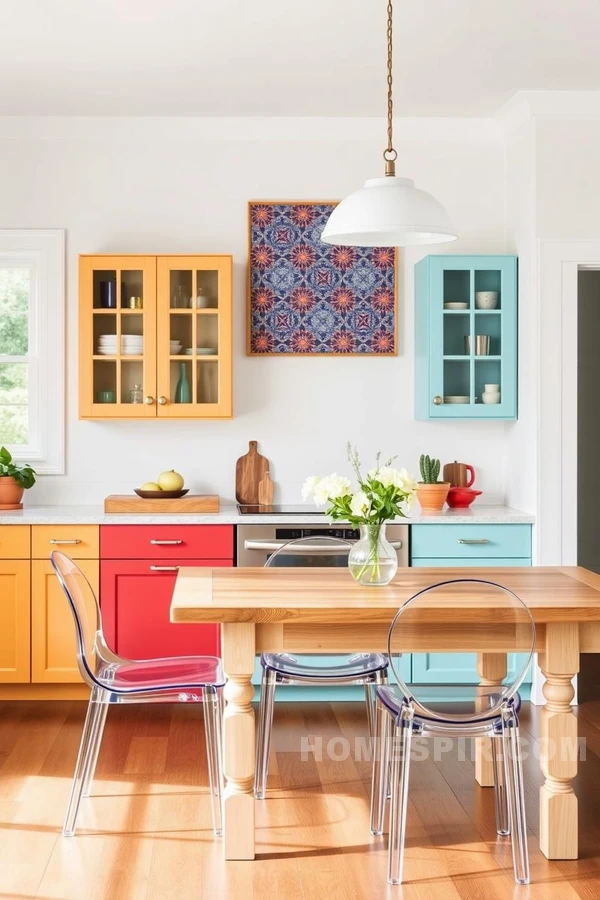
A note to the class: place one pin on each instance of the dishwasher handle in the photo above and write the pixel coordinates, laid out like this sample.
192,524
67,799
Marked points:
325,549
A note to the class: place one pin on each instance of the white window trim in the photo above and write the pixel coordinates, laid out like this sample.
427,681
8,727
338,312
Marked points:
46,249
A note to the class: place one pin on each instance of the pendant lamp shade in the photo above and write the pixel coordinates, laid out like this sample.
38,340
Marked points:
388,212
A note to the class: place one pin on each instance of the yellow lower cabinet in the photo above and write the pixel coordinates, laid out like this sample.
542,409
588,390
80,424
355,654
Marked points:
14,621
53,647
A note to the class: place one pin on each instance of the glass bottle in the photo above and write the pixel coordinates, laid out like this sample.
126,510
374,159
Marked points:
136,394
180,300
373,560
183,391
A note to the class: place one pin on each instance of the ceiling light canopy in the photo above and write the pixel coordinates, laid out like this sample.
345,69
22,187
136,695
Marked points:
389,211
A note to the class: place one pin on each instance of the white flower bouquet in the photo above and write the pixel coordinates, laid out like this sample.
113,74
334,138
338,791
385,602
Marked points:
379,497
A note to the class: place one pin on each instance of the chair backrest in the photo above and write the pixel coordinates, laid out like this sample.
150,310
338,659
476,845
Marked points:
86,612
442,620
314,552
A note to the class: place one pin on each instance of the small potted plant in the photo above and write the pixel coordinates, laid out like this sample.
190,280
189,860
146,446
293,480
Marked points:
14,480
431,493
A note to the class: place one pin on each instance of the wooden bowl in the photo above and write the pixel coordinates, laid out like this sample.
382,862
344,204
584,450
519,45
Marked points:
161,495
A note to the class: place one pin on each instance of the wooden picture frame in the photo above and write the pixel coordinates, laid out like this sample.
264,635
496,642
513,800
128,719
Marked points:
319,299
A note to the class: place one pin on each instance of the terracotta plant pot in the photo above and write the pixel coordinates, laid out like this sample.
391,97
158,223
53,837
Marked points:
11,493
432,496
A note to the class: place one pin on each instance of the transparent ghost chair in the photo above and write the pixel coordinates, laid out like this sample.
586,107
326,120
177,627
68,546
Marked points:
368,669
114,679
442,618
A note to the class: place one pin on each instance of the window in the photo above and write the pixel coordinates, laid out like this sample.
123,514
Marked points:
32,299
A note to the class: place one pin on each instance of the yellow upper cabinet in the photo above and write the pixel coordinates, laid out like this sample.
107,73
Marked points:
155,337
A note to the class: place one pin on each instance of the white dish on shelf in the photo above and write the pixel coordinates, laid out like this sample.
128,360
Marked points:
456,304
201,351
457,398
124,342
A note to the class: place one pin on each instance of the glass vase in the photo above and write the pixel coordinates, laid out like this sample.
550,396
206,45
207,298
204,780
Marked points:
373,560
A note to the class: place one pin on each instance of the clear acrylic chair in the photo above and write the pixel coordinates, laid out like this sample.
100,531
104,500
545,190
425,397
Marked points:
368,669
114,679
466,710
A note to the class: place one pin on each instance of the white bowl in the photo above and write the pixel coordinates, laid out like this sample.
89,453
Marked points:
491,397
492,388
486,299
201,351
457,398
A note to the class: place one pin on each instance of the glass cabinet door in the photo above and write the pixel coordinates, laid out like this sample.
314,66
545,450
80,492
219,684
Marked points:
117,336
194,336
472,338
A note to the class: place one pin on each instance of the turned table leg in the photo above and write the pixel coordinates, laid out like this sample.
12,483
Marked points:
238,741
492,671
558,757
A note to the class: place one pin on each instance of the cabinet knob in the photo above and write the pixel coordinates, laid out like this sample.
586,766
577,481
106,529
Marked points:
162,400
149,400
437,400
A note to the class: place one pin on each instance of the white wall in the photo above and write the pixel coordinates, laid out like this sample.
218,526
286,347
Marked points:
521,449
181,186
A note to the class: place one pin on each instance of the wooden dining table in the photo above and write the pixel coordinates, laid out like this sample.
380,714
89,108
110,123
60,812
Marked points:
324,611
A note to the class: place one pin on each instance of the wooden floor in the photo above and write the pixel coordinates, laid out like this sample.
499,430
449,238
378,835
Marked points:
146,831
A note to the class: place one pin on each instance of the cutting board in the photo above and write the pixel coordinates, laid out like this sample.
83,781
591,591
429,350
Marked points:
250,470
266,489
129,503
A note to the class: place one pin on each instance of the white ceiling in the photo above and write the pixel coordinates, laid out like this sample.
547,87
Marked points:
289,57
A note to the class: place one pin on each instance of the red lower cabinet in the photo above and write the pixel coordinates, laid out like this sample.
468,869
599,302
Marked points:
135,597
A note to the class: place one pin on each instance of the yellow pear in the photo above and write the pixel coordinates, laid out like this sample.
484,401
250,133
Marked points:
170,481
151,486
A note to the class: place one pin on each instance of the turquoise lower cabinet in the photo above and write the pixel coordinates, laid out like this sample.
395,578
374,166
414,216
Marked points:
474,563
458,668
316,692
467,546
483,545
466,337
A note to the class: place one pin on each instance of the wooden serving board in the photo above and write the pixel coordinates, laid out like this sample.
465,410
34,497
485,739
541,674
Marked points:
195,503
250,470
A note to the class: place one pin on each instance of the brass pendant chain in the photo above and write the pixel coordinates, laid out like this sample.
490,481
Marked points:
389,154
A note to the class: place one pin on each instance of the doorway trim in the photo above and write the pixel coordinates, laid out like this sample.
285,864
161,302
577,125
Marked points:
558,264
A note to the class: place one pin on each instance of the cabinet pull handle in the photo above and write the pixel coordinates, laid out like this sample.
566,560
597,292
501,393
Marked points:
73,541
164,543
473,541
164,568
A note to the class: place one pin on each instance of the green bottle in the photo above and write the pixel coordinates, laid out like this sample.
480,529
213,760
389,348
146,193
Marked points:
183,391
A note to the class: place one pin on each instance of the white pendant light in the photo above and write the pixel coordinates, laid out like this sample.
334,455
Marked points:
388,211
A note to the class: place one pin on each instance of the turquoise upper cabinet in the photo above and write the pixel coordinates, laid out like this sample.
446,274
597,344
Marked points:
459,299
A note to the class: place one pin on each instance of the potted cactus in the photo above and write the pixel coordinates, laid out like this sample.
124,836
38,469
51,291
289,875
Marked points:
431,493
14,480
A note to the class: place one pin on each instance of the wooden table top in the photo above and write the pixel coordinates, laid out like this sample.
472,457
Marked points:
321,595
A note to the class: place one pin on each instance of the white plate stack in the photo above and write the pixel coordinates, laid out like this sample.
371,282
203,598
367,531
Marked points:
131,345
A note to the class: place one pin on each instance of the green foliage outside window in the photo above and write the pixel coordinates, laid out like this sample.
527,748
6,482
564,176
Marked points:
14,326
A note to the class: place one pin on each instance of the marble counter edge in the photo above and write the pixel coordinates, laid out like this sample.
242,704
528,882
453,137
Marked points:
94,515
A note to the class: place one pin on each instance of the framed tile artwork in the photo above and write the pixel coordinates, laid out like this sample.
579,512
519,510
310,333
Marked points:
310,298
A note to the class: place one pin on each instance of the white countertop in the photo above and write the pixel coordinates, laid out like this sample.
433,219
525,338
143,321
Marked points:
229,515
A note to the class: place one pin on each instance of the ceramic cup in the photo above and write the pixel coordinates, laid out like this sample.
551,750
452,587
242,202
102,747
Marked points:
486,299
491,393
106,397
